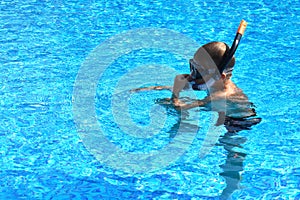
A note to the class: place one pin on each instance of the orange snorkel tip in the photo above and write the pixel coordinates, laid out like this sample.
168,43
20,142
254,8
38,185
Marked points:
242,27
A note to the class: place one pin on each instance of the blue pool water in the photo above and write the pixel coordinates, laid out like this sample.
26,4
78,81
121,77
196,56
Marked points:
44,48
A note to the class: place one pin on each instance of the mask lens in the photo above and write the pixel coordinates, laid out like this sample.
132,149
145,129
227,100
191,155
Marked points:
194,71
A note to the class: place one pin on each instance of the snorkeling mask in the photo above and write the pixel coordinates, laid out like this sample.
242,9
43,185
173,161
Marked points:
195,67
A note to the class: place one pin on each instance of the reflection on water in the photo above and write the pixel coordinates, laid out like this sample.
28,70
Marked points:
232,143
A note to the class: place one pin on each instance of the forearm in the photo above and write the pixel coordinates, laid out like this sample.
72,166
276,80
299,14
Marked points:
152,88
184,106
180,83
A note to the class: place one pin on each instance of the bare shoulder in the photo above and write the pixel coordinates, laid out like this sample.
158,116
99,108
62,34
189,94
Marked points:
235,94
238,96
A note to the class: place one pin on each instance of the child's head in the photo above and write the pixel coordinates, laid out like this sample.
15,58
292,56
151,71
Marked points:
211,55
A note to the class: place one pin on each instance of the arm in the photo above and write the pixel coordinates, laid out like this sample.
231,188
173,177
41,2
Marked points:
152,88
180,82
198,103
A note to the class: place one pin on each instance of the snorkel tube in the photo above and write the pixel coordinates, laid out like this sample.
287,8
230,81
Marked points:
234,45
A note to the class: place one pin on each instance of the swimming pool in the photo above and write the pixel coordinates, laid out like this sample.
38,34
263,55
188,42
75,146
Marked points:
44,46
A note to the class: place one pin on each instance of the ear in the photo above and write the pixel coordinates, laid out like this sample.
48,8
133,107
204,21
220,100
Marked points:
223,76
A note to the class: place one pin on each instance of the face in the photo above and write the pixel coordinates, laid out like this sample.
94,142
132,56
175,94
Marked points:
208,79
206,72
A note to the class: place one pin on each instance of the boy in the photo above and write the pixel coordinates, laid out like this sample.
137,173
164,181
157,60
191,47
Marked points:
211,70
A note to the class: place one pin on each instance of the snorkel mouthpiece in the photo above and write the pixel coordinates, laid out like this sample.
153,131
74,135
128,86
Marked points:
234,45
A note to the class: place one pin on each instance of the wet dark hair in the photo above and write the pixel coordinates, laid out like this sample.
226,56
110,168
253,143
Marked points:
218,51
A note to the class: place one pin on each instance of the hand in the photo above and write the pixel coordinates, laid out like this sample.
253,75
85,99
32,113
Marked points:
179,105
